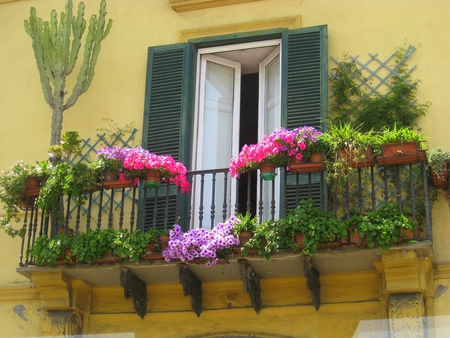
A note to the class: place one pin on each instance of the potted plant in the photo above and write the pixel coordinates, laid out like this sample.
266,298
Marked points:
101,246
349,145
384,226
111,161
266,155
271,236
304,147
66,179
317,226
400,146
50,251
143,244
244,228
139,163
70,145
207,245
18,186
349,149
164,236
437,163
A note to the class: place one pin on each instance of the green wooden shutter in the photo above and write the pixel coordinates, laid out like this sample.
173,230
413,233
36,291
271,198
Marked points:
168,118
304,94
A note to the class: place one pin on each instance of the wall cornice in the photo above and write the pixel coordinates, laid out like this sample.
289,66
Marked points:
190,5
291,22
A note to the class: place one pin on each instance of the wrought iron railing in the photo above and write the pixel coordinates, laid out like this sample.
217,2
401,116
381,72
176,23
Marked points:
214,196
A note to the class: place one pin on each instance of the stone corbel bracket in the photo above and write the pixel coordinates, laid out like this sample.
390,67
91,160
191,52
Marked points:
192,287
251,283
136,289
312,280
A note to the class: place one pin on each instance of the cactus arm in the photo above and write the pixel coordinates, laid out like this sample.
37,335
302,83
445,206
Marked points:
78,28
96,33
34,28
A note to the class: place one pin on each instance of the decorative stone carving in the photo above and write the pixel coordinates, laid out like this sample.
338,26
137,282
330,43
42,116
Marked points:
192,287
134,288
406,313
312,280
62,323
251,283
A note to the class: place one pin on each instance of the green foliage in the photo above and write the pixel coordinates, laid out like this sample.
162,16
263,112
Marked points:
269,237
138,242
382,226
346,93
375,111
70,145
316,225
436,160
12,187
347,146
46,251
95,244
399,134
66,179
248,223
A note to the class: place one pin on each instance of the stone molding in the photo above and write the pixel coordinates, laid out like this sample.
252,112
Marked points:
190,5
291,22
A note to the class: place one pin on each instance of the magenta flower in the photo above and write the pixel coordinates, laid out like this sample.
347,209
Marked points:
137,161
276,148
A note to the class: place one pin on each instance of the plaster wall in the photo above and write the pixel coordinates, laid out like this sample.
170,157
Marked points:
117,92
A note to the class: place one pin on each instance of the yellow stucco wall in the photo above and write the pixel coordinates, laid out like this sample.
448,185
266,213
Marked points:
117,92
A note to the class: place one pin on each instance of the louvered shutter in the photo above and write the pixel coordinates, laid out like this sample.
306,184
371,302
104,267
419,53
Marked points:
304,97
167,123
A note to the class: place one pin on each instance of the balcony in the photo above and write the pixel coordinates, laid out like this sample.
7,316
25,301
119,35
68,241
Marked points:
210,202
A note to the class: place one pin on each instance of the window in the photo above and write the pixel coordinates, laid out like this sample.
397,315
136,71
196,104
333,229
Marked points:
192,125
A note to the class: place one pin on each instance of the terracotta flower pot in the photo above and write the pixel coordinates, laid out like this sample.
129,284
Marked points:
153,179
267,171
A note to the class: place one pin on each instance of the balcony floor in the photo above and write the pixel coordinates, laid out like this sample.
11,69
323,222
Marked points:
282,264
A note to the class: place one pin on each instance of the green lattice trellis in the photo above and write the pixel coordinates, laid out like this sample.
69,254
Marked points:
89,149
374,74
373,78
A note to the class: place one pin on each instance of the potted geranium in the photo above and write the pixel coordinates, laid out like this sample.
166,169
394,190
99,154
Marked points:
17,191
139,162
207,245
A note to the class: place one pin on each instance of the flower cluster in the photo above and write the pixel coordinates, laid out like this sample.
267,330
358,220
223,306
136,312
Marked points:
275,148
112,158
137,161
201,243
296,141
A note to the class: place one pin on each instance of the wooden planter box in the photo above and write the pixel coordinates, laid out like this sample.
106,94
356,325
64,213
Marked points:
316,164
401,153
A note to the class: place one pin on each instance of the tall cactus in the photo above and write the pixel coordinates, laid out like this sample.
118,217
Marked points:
56,54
